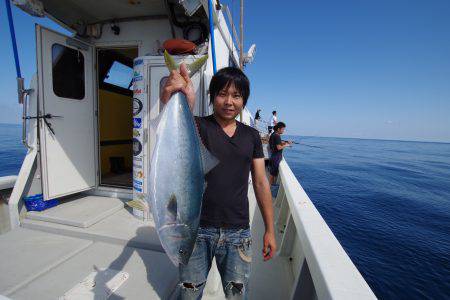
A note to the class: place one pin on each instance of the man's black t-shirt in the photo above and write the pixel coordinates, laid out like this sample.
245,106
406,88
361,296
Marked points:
274,140
225,202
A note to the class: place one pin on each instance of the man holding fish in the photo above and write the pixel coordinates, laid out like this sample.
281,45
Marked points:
224,231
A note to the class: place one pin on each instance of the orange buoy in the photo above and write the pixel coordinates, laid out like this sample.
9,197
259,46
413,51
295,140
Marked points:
179,46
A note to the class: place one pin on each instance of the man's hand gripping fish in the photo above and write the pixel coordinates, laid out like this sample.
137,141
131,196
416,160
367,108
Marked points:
176,177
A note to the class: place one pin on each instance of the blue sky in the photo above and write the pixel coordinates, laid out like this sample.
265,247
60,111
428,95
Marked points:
24,24
367,69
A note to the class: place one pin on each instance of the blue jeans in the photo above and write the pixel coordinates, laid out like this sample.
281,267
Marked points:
233,253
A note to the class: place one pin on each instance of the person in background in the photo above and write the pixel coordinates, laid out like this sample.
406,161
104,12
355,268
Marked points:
257,117
273,121
276,146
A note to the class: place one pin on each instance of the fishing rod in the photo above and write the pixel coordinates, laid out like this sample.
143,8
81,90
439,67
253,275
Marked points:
292,142
310,145
297,143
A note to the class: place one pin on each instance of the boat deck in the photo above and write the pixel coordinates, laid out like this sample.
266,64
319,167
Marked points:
50,255
118,227
47,265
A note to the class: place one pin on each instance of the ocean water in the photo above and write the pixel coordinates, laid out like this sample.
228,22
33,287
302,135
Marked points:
12,151
387,202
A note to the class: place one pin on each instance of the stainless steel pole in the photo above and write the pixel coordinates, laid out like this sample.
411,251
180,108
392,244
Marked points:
241,31
241,46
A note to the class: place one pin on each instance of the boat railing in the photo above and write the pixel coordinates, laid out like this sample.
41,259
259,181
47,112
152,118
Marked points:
320,266
7,182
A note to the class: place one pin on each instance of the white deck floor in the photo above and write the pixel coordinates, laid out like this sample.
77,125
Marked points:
79,211
53,264
120,228
272,279
49,258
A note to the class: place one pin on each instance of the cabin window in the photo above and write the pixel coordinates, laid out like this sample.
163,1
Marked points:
67,72
119,75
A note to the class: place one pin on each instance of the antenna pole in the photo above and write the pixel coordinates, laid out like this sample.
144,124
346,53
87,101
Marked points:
241,45
241,31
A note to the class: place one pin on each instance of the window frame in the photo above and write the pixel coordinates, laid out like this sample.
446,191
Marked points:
61,90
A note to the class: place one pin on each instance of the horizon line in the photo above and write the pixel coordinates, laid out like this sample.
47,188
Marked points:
372,139
336,137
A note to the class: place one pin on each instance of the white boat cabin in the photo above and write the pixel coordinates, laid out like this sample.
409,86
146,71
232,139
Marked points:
85,86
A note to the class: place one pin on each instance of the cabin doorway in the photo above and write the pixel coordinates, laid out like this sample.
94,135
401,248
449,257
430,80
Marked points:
115,115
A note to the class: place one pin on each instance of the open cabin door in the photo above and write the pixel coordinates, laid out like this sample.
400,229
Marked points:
66,110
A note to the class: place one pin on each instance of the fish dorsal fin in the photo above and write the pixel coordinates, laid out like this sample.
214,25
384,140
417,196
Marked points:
209,161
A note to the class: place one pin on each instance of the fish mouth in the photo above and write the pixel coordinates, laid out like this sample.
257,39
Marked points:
177,241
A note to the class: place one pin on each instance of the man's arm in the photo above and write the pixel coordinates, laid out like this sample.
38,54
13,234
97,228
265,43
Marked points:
283,145
279,143
264,199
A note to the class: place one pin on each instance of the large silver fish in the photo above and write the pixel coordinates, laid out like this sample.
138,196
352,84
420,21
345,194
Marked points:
176,177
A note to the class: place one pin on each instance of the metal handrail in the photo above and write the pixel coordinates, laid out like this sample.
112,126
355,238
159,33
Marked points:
24,121
333,274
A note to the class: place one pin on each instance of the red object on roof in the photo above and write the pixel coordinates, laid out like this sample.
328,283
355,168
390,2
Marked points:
179,46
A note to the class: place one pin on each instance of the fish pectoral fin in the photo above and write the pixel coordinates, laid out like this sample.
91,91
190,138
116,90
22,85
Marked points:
209,161
172,207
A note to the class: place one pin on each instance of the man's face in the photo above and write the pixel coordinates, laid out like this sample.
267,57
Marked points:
281,130
228,103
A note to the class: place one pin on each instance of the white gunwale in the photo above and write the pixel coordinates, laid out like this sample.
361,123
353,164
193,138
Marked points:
333,273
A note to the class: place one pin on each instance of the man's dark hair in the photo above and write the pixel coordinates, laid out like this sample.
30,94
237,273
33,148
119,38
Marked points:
278,126
224,78
274,112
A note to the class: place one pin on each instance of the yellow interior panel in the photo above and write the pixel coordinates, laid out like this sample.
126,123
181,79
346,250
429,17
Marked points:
116,128
125,151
